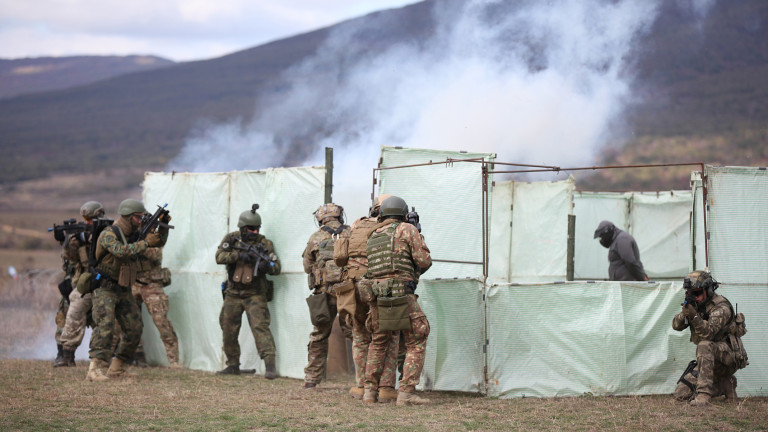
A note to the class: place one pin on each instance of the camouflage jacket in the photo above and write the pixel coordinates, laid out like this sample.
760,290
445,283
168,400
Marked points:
113,251
228,256
408,241
709,324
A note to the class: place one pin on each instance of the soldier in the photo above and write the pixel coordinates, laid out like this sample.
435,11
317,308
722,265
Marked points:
148,288
397,256
247,290
324,277
623,254
117,251
76,249
716,330
356,262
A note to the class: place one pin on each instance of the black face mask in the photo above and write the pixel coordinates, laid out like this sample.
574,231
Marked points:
606,239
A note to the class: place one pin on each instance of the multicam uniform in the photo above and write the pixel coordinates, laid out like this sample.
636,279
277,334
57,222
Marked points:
357,266
76,251
710,330
397,252
148,288
246,293
318,262
113,299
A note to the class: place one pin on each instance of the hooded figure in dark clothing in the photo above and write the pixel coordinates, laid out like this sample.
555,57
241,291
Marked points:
623,255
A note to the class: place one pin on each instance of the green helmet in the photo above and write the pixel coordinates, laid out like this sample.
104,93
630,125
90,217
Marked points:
130,206
249,218
92,210
393,206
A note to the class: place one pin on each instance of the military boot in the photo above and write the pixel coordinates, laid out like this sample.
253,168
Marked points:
97,371
728,388
271,370
387,394
357,392
229,370
59,355
67,359
407,398
702,399
116,368
370,396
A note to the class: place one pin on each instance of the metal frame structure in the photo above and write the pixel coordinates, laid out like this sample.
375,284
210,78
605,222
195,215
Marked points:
488,168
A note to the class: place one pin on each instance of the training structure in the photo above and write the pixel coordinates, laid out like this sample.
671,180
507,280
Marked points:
505,320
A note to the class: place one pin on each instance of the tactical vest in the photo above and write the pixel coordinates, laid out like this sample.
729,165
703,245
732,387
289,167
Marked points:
383,260
331,273
111,266
358,239
723,333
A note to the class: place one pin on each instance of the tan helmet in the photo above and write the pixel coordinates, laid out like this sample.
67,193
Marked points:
92,210
374,211
701,279
328,211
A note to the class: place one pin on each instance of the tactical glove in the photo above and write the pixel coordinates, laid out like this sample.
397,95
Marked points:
153,239
263,266
689,311
246,257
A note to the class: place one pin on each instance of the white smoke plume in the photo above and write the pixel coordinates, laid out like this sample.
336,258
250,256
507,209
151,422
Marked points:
540,82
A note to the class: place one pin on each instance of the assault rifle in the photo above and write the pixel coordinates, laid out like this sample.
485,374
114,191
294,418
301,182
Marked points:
413,218
690,299
70,226
257,252
151,223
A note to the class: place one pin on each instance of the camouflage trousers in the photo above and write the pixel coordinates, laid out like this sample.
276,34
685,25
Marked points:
61,318
715,364
415,345
255,307
113,303
151,293
77,317
317,349
361,340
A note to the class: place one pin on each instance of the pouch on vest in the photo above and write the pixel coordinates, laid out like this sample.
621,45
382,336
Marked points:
65,287
365,290
341,251
319,313
270,290
345,297
127,275
85,283
243,273
393,313
165,278
316,279
332,273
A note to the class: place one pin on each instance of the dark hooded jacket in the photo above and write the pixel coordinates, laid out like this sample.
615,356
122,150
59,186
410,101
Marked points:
623,256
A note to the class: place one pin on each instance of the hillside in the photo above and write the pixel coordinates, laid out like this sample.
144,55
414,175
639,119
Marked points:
701,86
43,74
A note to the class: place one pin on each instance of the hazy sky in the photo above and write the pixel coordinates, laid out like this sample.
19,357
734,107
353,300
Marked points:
176,29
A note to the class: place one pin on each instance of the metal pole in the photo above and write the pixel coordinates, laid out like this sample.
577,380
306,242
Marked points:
328,175
571,247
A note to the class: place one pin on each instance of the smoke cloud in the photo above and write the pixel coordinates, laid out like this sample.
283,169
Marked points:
540,82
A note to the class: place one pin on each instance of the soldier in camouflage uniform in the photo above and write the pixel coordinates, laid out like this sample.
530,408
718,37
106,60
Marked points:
247,288
117,252
324,277
716,330
356,262
75,250
397,256
148,288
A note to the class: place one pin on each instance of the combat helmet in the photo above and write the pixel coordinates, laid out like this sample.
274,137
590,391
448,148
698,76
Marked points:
701,279
130,206
393,206
92,210
374,210
249,218
328,211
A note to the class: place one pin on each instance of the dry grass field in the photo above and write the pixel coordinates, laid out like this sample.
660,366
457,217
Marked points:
36,397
